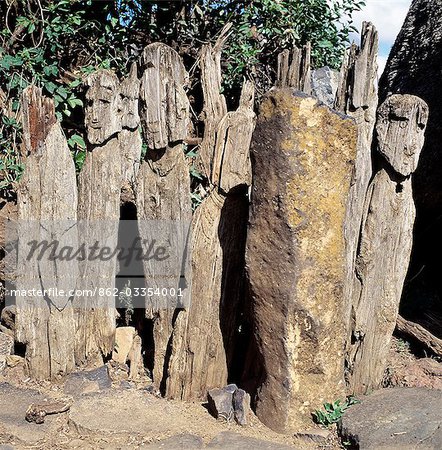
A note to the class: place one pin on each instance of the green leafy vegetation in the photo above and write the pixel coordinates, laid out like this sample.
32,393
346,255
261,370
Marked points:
333,412
10,166
55,43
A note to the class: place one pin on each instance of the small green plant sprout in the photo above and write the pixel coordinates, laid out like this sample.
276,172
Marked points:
333,412
402,346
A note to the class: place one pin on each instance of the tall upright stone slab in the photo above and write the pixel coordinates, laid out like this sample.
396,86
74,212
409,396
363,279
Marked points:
386,239
303,158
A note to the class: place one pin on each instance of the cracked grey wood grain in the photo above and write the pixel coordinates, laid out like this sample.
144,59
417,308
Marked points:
215,107
357,98
99,186
163,183
47,207
129,137
294,67
203,336
386,239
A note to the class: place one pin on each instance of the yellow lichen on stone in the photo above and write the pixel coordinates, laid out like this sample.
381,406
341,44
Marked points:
305,155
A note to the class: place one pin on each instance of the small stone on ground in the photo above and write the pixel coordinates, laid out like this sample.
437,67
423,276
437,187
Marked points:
95,380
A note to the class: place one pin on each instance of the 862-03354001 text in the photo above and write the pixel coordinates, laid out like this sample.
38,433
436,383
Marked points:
100,292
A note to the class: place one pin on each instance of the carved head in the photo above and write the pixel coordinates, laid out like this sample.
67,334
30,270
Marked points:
400,128
163,100
103,106
129,91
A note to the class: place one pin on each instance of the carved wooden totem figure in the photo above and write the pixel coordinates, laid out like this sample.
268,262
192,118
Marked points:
203,339
386,239
100,182
130,138
163,183
47,211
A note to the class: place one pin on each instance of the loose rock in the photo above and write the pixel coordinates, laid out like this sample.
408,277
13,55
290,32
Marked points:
325,84
241,406
14,360
79,383
396,418
124,337
221,403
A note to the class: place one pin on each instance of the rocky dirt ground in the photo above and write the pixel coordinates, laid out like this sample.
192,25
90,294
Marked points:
110,412
127,415
404,369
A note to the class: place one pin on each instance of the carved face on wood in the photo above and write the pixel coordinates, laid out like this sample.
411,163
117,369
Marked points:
401,124
129,90
163,100
103,107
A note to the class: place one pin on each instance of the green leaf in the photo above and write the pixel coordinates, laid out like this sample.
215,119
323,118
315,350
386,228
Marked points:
50,87
50,70
62,92
194,173
77,140
8,61
73,102
75,83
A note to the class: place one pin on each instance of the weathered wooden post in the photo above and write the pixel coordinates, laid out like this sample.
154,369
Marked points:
303,158
293,69
386,238
357,98
163,183
47,211
215,107
100,182
129,137
203,346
